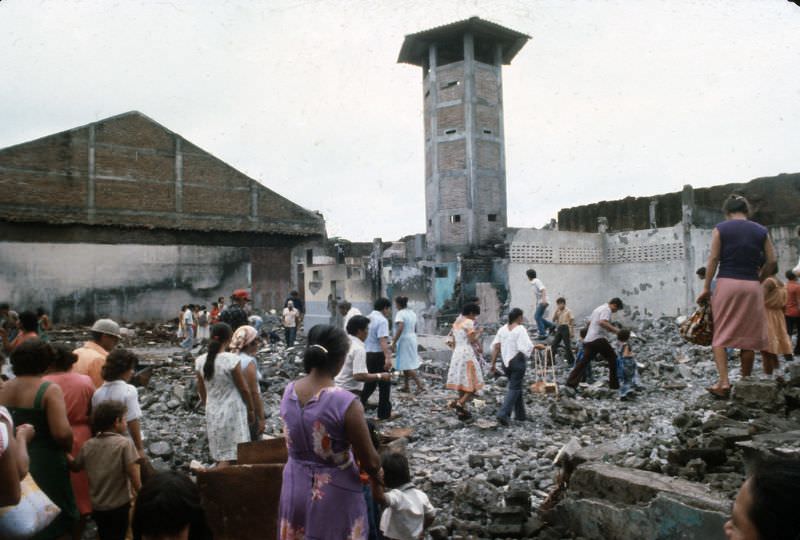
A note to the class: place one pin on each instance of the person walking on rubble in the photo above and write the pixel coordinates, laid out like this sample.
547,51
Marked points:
778,340
92,356
223,391
289,319
596,342
404,344
792,310
465,374
540,304
188,327
514,347
379,358
235,315
565,329
326,435
744,254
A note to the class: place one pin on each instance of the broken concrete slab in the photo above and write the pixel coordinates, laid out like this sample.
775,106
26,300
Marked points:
607,501
765,395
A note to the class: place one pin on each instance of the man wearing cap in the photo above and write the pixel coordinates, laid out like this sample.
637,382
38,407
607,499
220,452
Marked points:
92,356
235,315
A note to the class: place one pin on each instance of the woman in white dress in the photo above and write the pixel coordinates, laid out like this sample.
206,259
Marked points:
465,374
405,344
222,388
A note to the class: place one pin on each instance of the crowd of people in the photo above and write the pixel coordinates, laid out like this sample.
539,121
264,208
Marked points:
71,420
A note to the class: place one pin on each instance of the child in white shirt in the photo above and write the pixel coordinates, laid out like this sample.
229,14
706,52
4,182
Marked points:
408,512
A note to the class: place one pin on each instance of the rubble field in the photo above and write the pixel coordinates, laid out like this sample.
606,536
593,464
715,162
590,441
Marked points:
666,464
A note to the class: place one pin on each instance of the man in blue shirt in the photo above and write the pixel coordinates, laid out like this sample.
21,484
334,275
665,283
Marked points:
379,357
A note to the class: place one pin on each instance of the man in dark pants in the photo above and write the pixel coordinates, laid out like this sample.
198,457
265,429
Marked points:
565,328
596,342
514,346
379,357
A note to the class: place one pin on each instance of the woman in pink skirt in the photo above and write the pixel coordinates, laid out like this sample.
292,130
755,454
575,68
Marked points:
743,252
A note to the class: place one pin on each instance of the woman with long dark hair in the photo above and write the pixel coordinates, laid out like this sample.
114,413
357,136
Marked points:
744,254
222,388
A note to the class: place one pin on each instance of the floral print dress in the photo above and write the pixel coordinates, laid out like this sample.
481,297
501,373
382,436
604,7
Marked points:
321,495
465,369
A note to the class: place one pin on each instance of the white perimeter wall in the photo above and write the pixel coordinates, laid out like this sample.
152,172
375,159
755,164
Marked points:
652,271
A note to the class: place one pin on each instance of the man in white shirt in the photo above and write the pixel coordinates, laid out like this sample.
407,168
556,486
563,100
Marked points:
514,347
354,371
347,311
596,342
188,324
379,357
540,304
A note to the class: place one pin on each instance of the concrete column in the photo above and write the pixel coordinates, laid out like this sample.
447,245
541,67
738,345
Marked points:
469,122
90,182
433,212
498,70
690,257
652,213
178,176
253,201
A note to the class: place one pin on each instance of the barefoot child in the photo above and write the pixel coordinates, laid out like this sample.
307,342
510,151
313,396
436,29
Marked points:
110,460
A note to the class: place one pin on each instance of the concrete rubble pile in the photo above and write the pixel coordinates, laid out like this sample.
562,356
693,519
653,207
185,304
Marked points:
666,464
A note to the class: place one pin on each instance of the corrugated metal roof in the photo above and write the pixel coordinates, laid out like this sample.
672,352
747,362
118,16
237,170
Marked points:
415,46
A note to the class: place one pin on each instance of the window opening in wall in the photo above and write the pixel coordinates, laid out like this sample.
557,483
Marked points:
430,223
455,218
487,131
427,93
309,257
449,131
441,272
316,275
492,217
449,84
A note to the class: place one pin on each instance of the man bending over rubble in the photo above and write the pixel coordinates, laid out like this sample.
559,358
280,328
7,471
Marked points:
596,342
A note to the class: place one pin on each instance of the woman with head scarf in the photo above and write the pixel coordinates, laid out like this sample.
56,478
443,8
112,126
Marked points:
245,343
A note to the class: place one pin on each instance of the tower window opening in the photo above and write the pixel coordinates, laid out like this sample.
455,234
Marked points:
449,84
487,131
455,218
430,223
449,131
492,217
427,93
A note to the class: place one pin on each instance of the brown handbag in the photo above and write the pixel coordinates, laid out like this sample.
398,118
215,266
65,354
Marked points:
699,327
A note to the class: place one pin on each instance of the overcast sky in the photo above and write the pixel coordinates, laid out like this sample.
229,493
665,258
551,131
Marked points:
608,99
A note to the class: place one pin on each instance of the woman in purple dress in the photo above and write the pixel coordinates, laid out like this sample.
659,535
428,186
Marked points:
327,438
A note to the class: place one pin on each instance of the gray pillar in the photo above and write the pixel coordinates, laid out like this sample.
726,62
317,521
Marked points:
498,69
469,122
690,257
90,182
178,176
433,212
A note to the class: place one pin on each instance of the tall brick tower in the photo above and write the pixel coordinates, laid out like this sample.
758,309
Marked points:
465,172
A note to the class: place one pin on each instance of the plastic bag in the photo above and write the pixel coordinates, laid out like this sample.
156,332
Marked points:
34,512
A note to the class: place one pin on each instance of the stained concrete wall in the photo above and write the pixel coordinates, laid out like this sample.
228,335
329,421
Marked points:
80,282
652,270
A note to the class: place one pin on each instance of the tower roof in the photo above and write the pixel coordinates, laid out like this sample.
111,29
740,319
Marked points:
415,46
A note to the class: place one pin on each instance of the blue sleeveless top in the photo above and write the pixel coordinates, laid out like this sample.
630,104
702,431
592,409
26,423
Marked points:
741,249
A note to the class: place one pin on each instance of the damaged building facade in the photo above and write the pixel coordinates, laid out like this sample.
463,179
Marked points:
124,218
645,250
